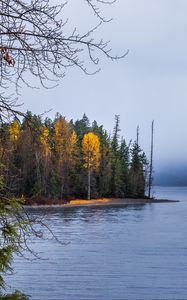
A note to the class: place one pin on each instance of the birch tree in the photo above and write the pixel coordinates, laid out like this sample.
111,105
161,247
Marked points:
91,155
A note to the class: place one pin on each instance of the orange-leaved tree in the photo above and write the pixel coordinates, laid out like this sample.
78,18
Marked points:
91,155
65,144
46,154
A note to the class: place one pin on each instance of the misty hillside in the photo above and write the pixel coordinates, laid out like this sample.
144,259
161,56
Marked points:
174,176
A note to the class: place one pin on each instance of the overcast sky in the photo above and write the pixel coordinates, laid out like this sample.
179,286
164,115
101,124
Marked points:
150,83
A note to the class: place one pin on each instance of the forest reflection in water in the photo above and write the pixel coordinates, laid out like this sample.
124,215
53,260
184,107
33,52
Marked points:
132,252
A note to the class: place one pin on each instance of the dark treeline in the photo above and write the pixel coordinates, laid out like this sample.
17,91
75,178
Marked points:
58,159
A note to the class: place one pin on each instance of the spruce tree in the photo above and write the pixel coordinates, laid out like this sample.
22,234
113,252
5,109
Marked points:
137,172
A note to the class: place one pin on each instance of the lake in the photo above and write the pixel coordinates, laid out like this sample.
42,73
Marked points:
112,253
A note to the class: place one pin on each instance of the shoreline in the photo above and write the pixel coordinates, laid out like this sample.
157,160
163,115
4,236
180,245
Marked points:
101,202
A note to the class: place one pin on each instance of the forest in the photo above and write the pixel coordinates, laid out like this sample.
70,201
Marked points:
60,159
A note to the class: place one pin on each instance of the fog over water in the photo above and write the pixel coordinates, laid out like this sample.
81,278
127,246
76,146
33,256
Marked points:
150,83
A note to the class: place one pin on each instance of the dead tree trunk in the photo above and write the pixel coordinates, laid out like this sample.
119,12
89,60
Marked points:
137,135
151,162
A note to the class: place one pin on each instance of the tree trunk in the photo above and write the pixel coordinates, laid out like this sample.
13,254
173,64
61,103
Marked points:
89,177
151,162
137,135
89,188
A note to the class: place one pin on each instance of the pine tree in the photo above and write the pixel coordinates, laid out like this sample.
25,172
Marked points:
136,173
116,178
105,169
124,162
82,127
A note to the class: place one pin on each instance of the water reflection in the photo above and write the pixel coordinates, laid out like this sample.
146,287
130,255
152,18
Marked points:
132,252
89,214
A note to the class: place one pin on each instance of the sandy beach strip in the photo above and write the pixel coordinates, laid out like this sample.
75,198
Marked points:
104,202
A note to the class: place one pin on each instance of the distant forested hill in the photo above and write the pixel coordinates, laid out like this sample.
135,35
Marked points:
173,176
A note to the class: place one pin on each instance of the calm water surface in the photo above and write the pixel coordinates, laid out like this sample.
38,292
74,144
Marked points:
113,253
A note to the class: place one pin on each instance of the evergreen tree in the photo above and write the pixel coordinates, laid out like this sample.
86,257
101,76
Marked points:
124,161
136,173
117,170
82,127
105,171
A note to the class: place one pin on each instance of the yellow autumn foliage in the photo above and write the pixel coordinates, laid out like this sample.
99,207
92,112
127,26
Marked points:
65,142
14,131
61,135
73,139
44,139
91,151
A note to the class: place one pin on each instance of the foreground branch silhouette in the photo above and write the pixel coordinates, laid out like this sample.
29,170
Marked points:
34,40
35,47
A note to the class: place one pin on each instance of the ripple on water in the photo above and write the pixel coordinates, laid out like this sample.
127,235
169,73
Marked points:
134,252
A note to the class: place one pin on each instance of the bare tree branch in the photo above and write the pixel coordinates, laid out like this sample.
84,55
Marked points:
33,40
